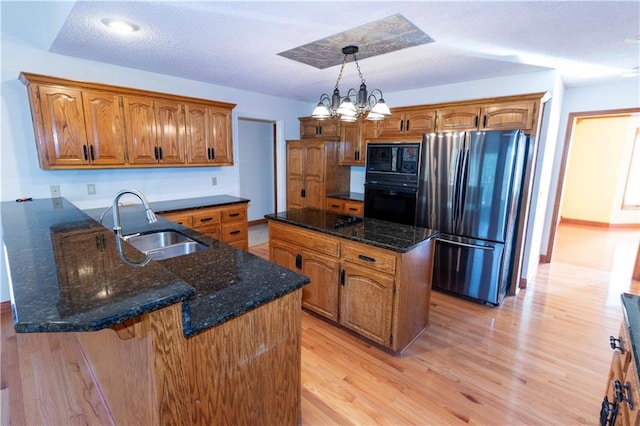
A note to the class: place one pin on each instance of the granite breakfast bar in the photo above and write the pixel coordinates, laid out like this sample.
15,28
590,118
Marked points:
212,337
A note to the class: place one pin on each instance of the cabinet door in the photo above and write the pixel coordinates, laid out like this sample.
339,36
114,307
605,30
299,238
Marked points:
197,135
283,254
295,188
392,126
105,127
456,119
311,128
350,142
321,294
141,130
308,128
419,122
329,129
366,303
170,132
514,115
220,131
314,188
295,175
63,125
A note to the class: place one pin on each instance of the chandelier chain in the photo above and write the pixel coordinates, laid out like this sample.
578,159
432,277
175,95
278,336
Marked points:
344,61
358,66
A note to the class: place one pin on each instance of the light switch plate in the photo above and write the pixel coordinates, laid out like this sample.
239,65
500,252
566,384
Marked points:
91,188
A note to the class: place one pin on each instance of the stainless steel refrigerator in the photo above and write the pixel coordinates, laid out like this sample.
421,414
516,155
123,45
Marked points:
470,191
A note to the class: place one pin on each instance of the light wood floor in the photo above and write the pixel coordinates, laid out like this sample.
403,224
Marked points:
541,358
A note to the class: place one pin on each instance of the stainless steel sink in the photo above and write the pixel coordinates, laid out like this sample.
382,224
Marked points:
166,244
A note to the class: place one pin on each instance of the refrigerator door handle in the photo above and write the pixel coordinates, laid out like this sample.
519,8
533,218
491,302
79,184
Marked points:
456,188
463,181
454,243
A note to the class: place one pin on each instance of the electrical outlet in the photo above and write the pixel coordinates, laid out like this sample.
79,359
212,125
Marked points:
91,188
214,181
55,191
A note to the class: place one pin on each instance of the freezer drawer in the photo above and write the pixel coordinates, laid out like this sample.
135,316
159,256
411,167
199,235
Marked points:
470,268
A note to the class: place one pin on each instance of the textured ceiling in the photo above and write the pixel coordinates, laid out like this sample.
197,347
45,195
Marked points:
237,43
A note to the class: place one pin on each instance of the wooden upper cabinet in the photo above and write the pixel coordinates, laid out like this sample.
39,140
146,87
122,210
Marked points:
492,116
310,128
63,137
408,122
220,128
458,119
140,116
89,125
155,131
353,141
198,135
104,127
509,115
170,132
208,135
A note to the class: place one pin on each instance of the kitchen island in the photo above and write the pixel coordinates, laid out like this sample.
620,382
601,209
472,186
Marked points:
211,337
370,276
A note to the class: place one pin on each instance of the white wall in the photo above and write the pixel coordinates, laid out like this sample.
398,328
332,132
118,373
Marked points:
255,146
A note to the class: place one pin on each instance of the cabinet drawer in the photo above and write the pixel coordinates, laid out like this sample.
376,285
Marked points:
235,213
205,217
370,257
354,208
335,205
212,231
181,218
308,239
234,232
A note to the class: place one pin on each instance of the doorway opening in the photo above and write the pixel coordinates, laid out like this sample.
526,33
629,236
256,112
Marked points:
258,173
574,138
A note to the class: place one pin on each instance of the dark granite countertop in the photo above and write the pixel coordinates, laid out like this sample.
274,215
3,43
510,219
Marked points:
66,274
387,235
631,310
349,196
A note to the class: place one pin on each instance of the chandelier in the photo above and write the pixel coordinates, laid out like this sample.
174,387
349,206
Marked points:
370,104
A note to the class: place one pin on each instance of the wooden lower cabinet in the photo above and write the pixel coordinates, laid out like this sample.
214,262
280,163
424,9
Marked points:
321,295
366,303
621,404
380,294
227,223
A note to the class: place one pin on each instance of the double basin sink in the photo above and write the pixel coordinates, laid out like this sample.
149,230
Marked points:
160,245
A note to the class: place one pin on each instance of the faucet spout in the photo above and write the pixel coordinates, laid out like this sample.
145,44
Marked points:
117,227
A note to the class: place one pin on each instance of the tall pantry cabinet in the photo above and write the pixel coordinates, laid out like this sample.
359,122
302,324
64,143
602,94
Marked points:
313,172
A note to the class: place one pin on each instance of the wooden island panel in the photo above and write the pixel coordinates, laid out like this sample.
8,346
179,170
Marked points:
243,371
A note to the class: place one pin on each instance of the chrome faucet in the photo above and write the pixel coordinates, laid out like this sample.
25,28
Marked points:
117,228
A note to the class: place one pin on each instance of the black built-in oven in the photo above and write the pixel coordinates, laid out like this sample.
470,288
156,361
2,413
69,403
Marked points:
391,181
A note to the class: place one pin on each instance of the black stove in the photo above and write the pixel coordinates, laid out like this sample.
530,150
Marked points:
346,221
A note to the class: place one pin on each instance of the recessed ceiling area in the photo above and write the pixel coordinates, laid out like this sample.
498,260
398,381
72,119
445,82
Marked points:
375,38
238,44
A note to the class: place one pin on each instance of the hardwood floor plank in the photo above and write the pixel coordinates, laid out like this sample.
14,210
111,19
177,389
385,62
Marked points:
540,358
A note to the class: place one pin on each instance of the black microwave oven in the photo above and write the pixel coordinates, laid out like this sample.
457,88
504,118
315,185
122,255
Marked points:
393,161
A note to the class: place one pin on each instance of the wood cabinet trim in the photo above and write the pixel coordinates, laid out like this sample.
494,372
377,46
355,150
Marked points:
30,78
